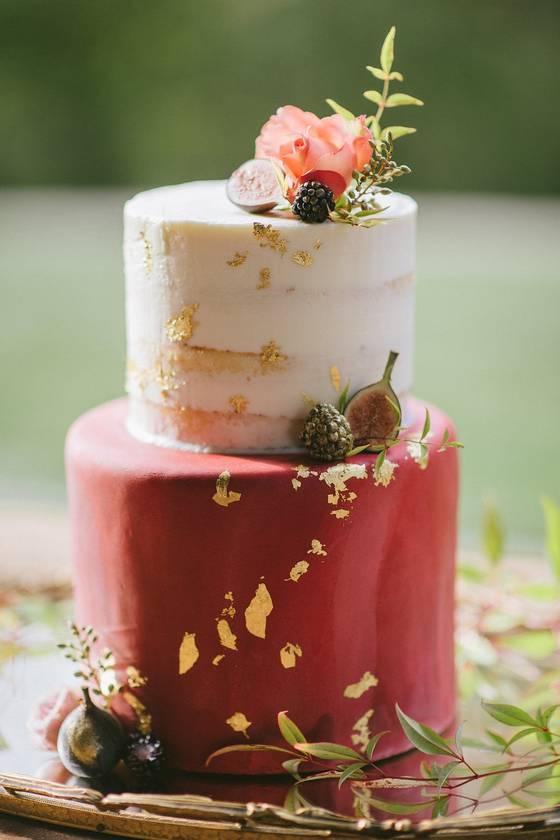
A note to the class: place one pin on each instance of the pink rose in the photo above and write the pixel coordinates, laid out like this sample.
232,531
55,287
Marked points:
308,148
49,713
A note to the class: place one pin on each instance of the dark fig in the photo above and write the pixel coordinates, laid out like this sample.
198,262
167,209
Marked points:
374,413
254,186
90,740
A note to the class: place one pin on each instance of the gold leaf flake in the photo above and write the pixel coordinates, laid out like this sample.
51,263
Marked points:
296,484
317,244
165,378
237,259
338,475
188,653
302,258
271,356
223,496
258,611
239,723
227,637
134,678
229,610
148,259
143,716
366,681
385,474
298,570
217,659
269,237
340,513
288,655
181,327
361,733
303,471
264,278
335,378
317,547
239,403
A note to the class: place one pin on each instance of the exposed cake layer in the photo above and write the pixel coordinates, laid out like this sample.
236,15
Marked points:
243,586
235,321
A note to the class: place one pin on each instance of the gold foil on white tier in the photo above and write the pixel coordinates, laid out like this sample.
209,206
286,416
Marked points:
200,331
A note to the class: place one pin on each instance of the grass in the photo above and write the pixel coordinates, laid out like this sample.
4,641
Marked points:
488,341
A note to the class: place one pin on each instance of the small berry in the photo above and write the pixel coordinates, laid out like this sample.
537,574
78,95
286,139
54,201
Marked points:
313,202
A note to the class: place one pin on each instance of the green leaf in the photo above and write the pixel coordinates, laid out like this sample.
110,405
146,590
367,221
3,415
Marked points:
397,807
540,775
373,123
422,737
288,729
508,714
396,131
523,733
339,109
490,782
352,771
427,425
343,398
444,771
441,807
379,461
469,572
292,765
357,450
245,748
388,50
373,96
552,533
498,739
329,751
493,534
378,73
396,99
519,803
373,742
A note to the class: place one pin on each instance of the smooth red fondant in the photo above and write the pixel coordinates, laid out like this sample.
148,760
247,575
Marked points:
154,557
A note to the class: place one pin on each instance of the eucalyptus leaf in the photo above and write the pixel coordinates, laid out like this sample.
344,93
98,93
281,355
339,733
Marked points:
343,398
289,730
246,748
397,807
292,765
489,783
508,714
388,50
441,807
396,99
329,751
373,96
339,109
523,733
422,737
552,533
396,131
519,803
427,425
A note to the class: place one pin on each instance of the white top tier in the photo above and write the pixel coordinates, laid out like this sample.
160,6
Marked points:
236,321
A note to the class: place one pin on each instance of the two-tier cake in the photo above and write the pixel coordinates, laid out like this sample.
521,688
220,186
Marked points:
239,574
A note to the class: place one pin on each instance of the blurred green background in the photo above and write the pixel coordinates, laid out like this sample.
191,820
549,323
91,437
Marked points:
99,99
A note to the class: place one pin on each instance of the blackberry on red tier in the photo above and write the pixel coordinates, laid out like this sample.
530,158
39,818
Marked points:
144,755
313,202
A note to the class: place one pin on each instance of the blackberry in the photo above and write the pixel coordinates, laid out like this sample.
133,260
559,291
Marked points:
327,434
313,202
144,755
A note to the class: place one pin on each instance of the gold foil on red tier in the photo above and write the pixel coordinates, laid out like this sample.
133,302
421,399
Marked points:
239,723
289,655
269,237
181,327
298,570
318,548
258,611
355,690
188,653
361,732
223,495
227,637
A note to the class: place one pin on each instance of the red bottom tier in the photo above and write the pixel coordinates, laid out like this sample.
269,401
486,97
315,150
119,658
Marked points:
243,586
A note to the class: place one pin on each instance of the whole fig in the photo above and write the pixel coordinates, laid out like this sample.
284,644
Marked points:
90,741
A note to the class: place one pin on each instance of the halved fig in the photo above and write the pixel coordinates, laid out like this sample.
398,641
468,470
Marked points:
374,413
254,186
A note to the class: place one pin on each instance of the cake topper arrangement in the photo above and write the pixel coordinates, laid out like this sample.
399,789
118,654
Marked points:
335,167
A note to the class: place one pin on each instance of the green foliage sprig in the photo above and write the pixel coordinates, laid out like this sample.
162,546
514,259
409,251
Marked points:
521,776
96,674
359,205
